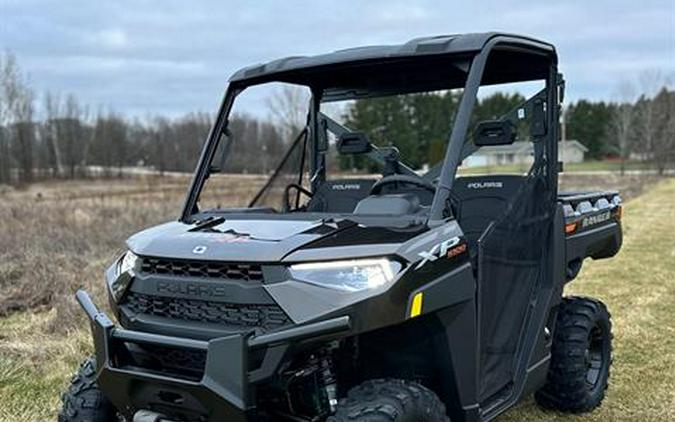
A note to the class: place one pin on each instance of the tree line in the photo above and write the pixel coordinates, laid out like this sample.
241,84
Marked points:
58,137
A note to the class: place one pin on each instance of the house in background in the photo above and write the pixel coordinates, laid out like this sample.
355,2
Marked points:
518,153
571,151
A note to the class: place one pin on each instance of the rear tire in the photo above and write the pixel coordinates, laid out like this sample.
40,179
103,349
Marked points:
581,357
83,401
390,400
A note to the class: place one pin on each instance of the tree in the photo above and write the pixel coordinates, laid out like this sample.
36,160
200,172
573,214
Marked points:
588,122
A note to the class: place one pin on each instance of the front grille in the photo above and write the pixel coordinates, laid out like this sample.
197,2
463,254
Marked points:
185,268
267,317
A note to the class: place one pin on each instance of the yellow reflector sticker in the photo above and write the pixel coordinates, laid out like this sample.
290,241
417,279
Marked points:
416,308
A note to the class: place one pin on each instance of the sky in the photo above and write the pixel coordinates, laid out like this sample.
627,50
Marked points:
143,57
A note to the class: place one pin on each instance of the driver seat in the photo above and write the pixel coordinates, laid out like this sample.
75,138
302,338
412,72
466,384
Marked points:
339,196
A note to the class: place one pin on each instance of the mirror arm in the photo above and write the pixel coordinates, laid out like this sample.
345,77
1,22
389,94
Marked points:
376,154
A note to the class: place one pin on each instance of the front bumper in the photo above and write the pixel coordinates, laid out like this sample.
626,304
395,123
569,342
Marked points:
224,392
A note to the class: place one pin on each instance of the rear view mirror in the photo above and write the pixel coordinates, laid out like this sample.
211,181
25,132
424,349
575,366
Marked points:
353,143
494,132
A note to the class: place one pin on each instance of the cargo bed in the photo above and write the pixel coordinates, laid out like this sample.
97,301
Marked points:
592,227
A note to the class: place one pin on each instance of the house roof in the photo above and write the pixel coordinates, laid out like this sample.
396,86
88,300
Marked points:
574,144
418,47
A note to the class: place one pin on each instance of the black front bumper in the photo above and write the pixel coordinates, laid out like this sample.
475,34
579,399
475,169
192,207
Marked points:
224,390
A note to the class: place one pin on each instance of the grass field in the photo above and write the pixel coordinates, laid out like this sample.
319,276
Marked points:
54,239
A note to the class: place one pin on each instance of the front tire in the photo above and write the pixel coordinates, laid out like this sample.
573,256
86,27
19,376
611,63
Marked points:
83,401
390,400
581,357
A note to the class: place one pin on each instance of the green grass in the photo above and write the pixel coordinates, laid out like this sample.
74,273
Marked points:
37,356
35,364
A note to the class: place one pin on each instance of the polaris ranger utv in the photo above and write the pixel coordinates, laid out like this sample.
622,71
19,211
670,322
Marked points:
419,292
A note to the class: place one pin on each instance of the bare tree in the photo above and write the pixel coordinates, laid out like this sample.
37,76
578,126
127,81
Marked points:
6,61
23,134
9,87
621,130
52,104
71,135
663,142
288,107
647,113
16,116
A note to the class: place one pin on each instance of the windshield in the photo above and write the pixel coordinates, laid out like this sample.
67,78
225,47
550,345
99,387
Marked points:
267,162
374,155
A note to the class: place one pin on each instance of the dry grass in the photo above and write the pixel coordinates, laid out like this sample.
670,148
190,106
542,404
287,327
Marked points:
52,243
55,238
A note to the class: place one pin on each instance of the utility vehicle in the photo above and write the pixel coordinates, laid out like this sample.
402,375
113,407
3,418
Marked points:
365,281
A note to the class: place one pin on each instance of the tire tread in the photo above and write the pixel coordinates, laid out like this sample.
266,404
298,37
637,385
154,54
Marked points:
566,389
83,401
390,400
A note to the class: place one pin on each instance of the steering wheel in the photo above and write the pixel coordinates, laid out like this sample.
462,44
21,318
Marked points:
287,194
402,179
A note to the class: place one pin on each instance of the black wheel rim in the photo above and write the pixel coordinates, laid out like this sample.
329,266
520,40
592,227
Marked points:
596,360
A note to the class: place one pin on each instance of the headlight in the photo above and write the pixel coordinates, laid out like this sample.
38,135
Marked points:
119,274
128,262
351,276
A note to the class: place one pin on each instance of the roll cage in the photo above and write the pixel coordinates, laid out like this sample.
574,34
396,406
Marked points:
468,62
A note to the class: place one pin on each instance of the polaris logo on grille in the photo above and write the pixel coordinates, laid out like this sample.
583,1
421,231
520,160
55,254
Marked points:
190,289
485,185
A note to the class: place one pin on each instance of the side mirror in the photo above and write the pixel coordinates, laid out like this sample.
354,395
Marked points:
493,133
353,143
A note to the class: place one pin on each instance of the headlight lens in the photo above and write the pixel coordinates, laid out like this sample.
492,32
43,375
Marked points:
128,262
351,276
119,274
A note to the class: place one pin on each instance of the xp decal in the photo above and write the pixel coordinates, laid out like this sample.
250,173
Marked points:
439,250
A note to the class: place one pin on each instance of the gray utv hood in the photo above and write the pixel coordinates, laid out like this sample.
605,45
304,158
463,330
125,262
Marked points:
232,240
269,240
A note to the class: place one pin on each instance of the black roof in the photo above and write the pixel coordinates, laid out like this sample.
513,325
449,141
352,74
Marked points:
442,45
